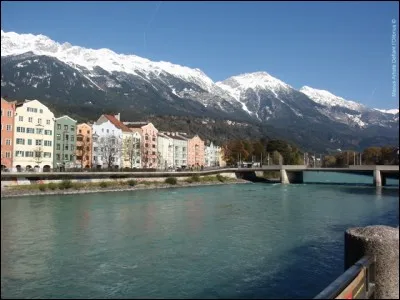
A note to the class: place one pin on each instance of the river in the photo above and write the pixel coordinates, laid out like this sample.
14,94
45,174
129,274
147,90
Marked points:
231,241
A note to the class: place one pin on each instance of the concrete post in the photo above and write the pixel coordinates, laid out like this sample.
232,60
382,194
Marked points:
284,177
377,178
381,242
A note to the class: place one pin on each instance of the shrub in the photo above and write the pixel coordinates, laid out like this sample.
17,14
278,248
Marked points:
104,184
65,184
196,178
131,182
52,186
171,180
78,185
42,187
189,180
220,178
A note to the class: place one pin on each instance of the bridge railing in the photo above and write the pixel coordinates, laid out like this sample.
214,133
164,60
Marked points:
357,282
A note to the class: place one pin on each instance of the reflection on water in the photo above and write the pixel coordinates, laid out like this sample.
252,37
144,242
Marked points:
240,241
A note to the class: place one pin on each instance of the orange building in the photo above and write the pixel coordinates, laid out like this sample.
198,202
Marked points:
7,133
196,152
84,145
148,134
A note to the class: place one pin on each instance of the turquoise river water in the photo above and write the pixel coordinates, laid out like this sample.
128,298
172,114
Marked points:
231,241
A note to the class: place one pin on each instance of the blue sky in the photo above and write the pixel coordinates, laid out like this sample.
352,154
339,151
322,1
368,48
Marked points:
342,47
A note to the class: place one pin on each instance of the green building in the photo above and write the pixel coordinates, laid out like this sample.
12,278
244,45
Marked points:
64,143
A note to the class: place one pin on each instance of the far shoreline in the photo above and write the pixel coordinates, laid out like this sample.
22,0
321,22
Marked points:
9,193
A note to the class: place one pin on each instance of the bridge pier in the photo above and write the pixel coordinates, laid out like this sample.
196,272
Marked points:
379,178
284,177
291,176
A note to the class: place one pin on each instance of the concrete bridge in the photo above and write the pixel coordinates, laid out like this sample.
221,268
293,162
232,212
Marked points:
288,173
294,173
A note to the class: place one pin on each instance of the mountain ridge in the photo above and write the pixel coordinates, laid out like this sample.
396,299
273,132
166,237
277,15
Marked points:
74,79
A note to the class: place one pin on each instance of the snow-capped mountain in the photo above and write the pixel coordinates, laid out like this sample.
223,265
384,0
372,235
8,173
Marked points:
389,111
81,81
348,112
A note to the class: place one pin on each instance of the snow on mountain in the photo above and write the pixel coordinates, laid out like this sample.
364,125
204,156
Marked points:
258,80
328,99
14,44
388,111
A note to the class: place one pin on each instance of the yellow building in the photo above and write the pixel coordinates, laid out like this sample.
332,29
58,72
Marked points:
33,136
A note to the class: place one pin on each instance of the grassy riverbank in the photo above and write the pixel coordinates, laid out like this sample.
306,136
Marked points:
68,187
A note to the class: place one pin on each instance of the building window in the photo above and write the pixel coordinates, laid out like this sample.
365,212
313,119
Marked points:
58,136
146,137
79,139
154,146
80,130
94,158
48,143
8,127
8,154
41,111
47,154
19,153
183,148
154,153
28,153
48,132
48,122
58,156
87,139
154,139
39,131
146,145
58,147
65,127
65,156
66,147
30,119
72,138
108,131
66,137
38,154
30,130
29,141
71,157
38,142
9,113
8,142
88,132
39,121
20,141
20,129
72,147
58,126
21,118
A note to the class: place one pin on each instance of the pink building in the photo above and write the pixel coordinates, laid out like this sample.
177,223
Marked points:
148,134
196,152
7,133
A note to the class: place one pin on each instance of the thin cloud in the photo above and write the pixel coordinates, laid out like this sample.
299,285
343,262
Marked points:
151,20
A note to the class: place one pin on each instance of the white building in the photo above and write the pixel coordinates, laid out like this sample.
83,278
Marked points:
212,155
33,136
165,149
179,149
107,142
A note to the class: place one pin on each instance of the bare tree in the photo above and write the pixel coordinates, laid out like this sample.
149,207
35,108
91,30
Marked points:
38,155
110,149
131,150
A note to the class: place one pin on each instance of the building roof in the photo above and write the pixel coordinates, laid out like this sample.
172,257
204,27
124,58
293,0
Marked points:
135,124
117,123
